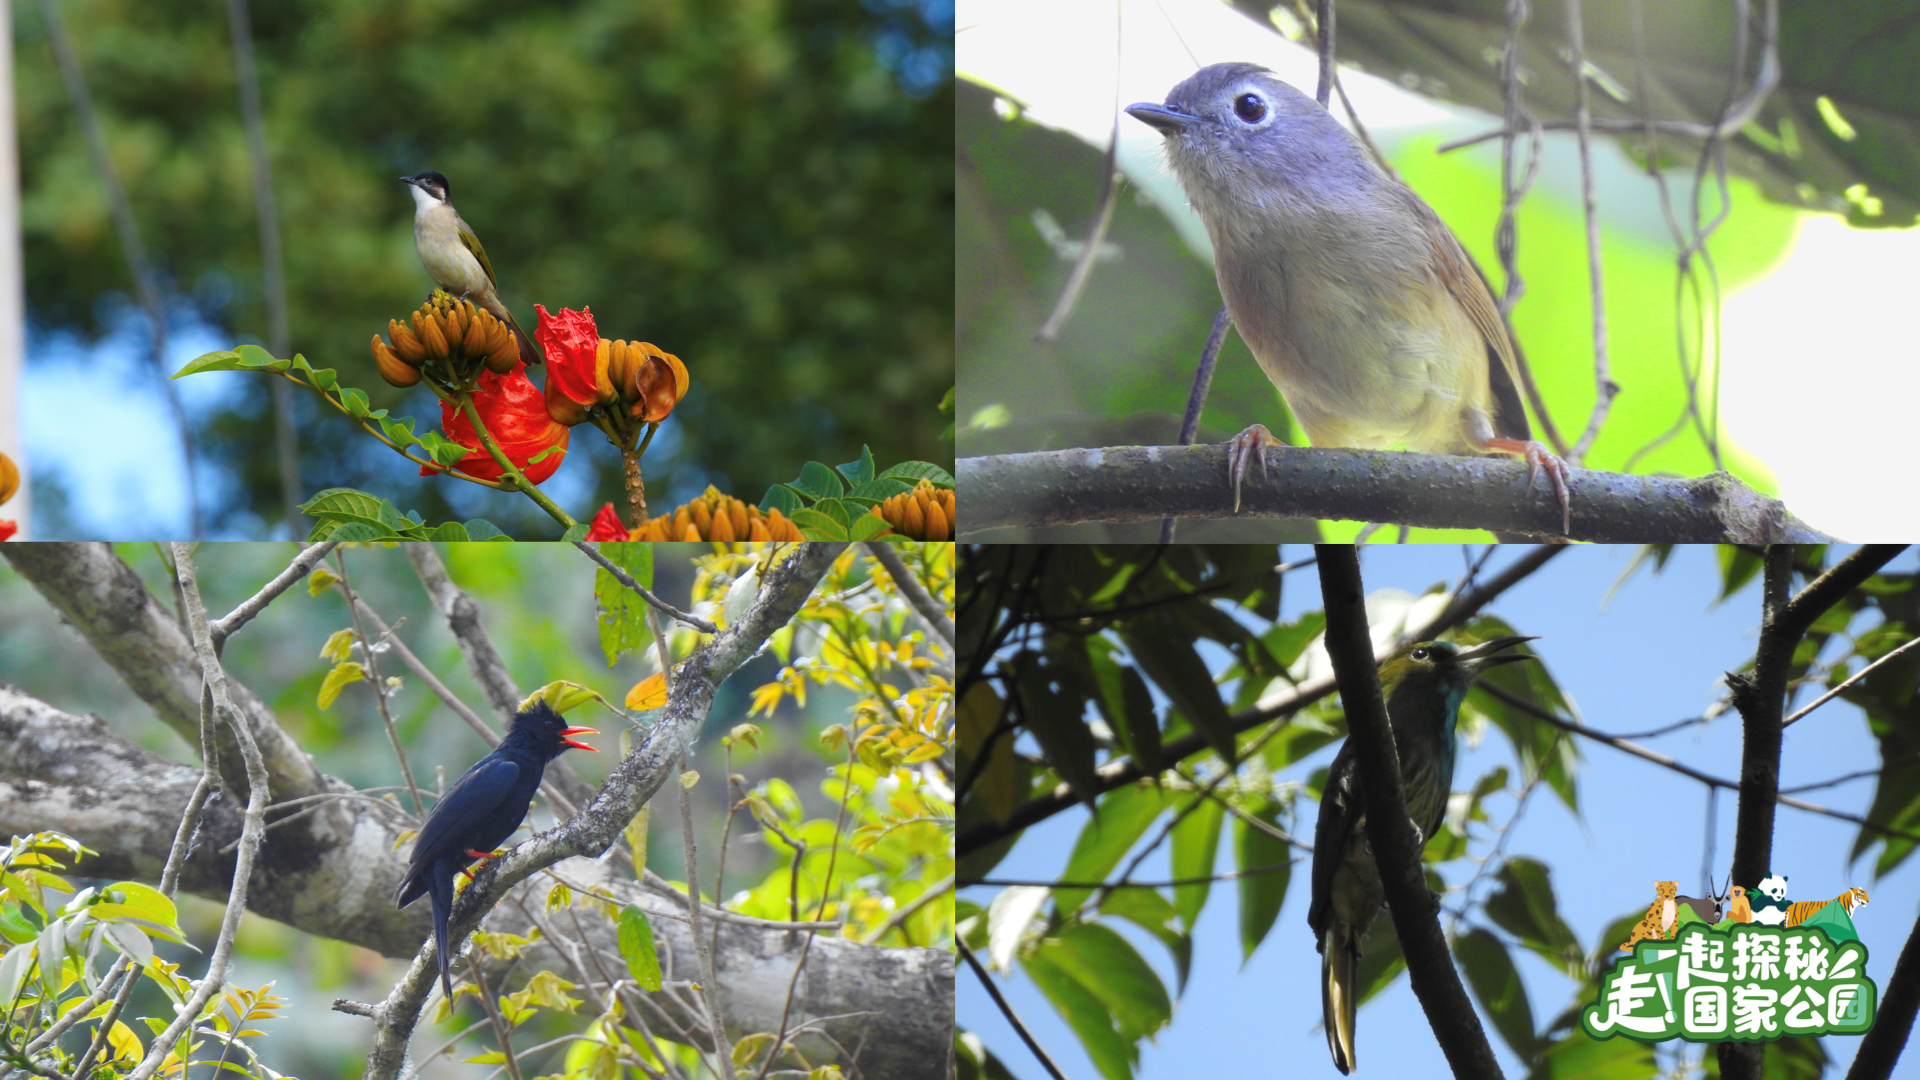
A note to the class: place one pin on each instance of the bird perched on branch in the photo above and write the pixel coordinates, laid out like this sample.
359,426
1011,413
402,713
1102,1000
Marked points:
1422,685
480,811
1357,300
453,256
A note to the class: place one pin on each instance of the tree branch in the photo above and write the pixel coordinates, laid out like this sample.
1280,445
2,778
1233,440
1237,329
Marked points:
1880,1047
1389,831
1442,491
925,606
627,580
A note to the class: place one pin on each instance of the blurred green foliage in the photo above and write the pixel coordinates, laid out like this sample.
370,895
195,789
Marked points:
745,183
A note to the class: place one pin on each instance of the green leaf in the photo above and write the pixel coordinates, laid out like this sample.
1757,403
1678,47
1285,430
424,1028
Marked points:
482,529
835,509
362,531
1260,894
324,378
636,945
1112,1053
451,532
1496,984
1053,717
623,614
782,498
820,481
1737,567
543,455
1525,908
878,490
213,361
346,504
1382,962
996,784
1124,814
1167,654
445,451
1579,1056
576,531
867,526
861,471
355,402
910,471
1114,972
818,526
1152,912
253,356
1195,841
400,432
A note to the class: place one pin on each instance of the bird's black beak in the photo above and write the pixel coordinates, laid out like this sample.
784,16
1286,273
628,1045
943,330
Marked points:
414,180
564,741
1168,121
1482,656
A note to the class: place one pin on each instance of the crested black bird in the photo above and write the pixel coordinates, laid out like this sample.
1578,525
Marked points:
1422,685
481,810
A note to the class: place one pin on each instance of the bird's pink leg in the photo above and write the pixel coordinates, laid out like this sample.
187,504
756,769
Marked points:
1538,457
1248,446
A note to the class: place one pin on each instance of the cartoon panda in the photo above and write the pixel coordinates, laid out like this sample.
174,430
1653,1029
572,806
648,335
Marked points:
1770,901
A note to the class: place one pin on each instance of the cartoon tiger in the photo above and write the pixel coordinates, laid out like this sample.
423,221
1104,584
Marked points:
1802,910
1661,915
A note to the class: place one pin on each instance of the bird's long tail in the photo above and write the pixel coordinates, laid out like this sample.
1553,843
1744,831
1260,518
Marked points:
440,885
1338,959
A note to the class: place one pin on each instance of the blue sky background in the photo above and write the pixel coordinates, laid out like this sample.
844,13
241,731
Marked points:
1652,656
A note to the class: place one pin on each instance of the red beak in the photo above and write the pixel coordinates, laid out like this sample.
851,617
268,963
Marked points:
564,741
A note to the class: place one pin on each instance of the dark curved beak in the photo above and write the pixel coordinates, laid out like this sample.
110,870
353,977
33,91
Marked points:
1168,121
1482,656
414,180
564,741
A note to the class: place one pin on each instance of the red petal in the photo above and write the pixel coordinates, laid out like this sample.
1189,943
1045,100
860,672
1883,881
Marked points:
606,525
571,343
515,412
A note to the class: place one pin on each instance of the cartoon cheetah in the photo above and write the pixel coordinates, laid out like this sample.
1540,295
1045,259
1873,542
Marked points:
1770,905
1661,915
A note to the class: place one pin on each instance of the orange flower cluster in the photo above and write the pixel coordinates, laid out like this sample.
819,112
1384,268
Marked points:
714,516
633,380
9,483
925,513
445,330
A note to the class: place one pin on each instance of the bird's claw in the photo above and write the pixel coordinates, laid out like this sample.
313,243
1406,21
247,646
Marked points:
1248,446
1538,459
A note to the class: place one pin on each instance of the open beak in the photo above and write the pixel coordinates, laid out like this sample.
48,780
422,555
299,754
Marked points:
1482,656
564,741
1167,120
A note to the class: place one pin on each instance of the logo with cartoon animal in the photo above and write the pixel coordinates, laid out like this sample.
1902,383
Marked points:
1749,965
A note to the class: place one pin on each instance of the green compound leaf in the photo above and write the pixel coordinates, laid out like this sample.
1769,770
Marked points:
213,361
815,525
782,498
859,472
820,482
450,532
911,471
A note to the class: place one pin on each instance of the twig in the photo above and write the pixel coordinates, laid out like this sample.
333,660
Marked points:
215,683
1854,678
1033,1044
1605,387
723,1050
502,1031
272,267
302,565
1197,394
932,615
146,281
345,588
906,911
1083,266
463,618
1230,875
626,579
1323,37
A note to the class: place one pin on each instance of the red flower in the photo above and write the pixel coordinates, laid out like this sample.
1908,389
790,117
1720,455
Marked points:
606,525
8,528
515,413
571,343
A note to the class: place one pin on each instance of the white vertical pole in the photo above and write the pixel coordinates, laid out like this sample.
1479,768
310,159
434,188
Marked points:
13,283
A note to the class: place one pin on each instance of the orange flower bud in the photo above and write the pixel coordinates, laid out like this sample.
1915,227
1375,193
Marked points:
722,527
936,527
738,511
780,528
454,322
701,515
604,392
405,344
654,393
428,327
757,530
691,533
474,341
9,479
393,369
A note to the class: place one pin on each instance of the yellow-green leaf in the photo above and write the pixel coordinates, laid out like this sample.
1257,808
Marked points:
320,582
337,680
648,693
636,833
126,1046
636,945
747,1050
491,1057
563,696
